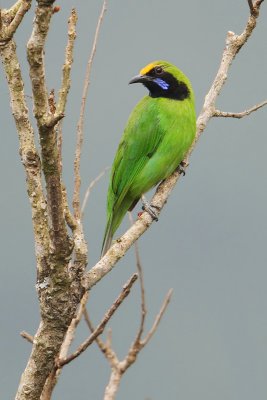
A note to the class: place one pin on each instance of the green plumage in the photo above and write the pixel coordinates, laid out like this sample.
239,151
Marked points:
157,136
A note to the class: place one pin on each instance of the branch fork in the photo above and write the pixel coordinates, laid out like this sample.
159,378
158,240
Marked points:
118,368
11,19
50,122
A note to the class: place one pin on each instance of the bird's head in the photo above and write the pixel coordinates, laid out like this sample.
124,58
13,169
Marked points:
164,79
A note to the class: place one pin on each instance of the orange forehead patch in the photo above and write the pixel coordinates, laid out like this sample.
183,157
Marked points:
147,68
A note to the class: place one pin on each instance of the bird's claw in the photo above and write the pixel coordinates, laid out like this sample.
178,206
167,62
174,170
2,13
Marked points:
153,214
181,168
150,209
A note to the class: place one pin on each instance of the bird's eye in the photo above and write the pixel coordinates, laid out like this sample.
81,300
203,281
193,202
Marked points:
158,70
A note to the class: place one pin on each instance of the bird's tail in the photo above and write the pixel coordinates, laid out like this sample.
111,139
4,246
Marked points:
113,222
107,237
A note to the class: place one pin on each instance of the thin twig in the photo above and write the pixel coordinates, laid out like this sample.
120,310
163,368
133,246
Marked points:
104,347
88,321
68,215
254,7
251,6
138,345
118,368
109,337
65,83
19,11
66,69
12,11
72,328
26,336
142,286
218,113
99,329
80,127
158,318
90,187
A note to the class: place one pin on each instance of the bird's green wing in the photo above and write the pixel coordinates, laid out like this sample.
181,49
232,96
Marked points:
142,136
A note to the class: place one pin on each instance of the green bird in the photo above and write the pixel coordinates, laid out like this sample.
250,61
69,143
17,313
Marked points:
158,134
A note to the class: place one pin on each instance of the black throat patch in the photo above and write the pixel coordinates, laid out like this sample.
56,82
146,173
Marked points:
166,85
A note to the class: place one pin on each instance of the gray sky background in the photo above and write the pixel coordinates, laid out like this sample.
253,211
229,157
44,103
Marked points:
210,242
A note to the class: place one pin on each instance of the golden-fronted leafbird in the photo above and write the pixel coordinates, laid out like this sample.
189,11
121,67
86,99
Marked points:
158,134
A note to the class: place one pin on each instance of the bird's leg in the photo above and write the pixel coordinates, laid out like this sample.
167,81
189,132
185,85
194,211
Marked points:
149,208
181,167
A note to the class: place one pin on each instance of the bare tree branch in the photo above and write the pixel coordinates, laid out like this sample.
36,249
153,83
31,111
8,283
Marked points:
68,215
113,384
29,154
118,368
58,296
66,69
254,7
218,113
158,318
62,100
80,134
16,14
100,328
65,84
80,245
72,328
142,286
46,122
25,5
12,11
102,346
251,6
90,187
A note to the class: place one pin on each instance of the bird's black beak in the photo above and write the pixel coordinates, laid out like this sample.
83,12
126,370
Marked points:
140,79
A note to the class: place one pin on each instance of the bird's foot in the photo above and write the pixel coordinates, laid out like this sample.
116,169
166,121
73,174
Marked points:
181,168
152,210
